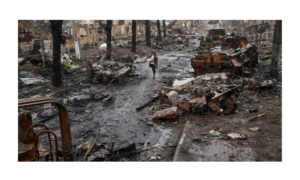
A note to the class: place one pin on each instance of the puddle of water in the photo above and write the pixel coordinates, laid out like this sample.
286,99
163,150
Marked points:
180,82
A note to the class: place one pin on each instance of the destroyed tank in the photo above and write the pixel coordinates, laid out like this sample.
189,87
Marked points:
218,54
240,61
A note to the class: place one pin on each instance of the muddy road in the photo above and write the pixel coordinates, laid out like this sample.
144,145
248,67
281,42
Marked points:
118,121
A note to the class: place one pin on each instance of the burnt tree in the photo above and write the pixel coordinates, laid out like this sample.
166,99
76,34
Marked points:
277,43
158,29
164,27
56,26
108,39
133,44
148,40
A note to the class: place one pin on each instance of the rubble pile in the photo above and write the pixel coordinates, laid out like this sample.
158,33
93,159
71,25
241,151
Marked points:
205,94
181,39
189,33
105,71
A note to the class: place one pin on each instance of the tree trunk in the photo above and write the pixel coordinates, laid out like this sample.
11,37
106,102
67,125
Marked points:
192,24
158,29
148,40
133,44
56,26
164,26
108,39
277,43
256,34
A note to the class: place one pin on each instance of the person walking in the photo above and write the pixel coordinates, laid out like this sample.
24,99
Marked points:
152,59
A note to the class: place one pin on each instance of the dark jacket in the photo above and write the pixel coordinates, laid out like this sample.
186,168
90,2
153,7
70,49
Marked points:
155,61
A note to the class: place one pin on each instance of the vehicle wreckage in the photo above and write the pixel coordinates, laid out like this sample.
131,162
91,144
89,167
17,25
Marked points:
218,53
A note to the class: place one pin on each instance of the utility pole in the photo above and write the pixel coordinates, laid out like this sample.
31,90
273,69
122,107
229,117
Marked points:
76,42
43,56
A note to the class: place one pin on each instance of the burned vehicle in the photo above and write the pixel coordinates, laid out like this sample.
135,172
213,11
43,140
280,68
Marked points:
218,37
212,39
219,52
240,61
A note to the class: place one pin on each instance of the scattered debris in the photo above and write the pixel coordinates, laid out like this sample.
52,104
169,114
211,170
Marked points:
150,122
82,148
173,94
34,81
90,146
106,100
253,110
169,113
225,78
106,71
99,97
155,157
255,129
254,117
236,136
144,105
200,95
214,133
